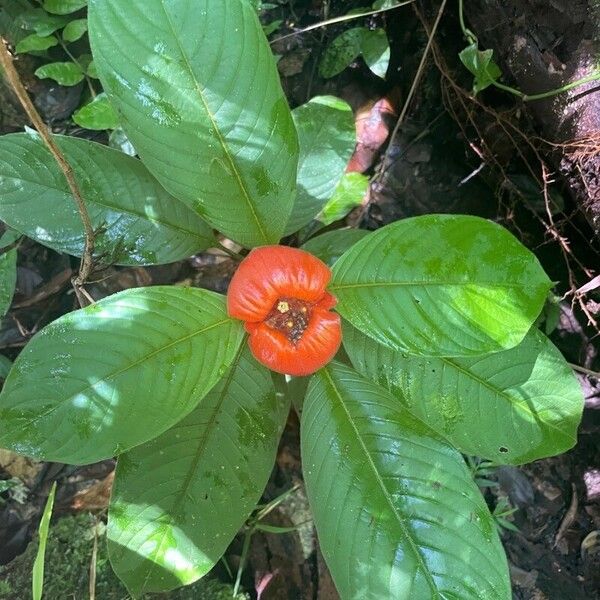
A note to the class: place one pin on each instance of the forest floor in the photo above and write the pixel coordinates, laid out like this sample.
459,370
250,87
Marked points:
452,153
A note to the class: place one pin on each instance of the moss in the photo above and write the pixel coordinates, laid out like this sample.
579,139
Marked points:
68,557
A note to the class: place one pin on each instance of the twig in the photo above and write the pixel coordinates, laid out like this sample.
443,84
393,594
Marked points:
588,372
17,86
569,517
413,87
342,19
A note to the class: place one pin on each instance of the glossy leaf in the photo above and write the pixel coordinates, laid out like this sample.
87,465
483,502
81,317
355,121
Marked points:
200,99
396,509
75,30
64,73
349,194
375,49
135,220
441,285
331,245
327,138
108,377
180,499
510,407
36,43
97,115
38,20
63,7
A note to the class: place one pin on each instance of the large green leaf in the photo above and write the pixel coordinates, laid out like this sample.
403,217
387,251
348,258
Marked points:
441,285
396,509
514,406
180,499
327,137
200,99
103,379
135,220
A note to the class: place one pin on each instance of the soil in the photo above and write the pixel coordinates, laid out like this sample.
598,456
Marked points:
453,153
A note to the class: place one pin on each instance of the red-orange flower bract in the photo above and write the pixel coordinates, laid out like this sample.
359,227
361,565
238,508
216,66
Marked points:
279,293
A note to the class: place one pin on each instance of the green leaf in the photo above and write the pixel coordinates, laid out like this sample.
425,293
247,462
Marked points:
396,509
63,7
36,43
91,70
100,380
331,245
135,220
40,21
64,73
37,574
99,114
327,137
200,99
375,49
344,50
441,285
8,271
75,30
481,65
510,407
5,366
349,194
179,500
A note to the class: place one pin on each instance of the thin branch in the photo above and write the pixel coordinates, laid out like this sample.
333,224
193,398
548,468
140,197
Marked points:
17,86
342,19
413,87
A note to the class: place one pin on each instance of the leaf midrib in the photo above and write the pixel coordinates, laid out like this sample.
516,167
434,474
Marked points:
403,527
216,129
368,284
203,440
117,209
119,372
522,406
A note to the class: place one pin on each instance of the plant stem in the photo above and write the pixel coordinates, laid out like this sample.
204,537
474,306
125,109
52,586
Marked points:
472,39
342,19
594,76
585,371
17,86
76,61
229,252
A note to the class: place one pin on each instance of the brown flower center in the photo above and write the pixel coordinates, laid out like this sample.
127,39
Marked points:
291,317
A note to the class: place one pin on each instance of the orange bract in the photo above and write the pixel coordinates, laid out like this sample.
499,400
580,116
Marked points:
280,294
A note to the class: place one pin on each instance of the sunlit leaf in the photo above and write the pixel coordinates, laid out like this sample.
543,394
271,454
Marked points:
200,99
136,221
179,500
100,380
327,137
510,407
99,114
396,509
441,285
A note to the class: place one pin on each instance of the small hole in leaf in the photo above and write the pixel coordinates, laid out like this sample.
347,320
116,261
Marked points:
503,449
